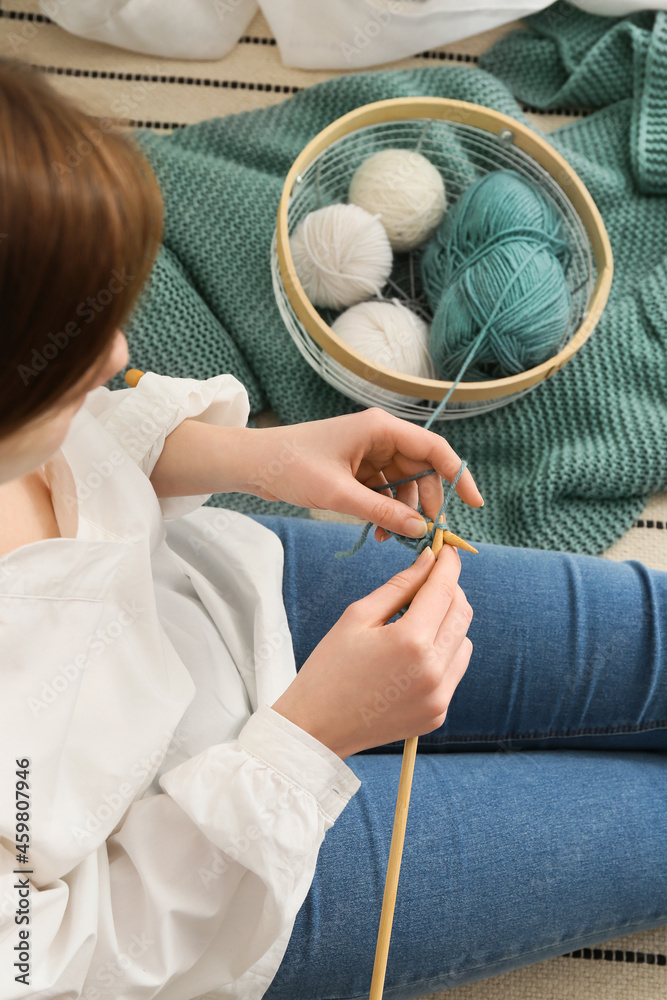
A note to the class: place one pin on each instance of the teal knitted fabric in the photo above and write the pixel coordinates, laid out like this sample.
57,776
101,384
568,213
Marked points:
571,464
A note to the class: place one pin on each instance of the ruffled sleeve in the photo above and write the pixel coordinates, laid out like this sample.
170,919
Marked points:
198,888
142,418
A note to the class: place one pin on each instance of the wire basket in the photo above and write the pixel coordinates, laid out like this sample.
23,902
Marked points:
465,142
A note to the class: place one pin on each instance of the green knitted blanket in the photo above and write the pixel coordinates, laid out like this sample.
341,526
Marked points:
570,465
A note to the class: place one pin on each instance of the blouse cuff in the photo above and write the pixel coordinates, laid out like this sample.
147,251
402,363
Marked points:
301,758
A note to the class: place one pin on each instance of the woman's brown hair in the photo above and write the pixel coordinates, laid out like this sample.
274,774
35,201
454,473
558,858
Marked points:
81,220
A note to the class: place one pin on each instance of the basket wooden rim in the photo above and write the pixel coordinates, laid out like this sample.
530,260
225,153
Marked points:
525,139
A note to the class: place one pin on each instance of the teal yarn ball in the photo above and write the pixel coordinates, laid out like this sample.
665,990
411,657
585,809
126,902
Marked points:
500,207
497,263
529,321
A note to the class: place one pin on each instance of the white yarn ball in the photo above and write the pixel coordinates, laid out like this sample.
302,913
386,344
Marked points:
406,190
341,255
389,334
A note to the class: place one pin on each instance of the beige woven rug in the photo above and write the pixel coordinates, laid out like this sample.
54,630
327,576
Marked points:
164,94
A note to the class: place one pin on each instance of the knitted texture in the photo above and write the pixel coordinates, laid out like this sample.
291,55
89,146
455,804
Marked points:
571,464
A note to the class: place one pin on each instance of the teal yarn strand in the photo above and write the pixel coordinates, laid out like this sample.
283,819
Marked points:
414,543
360,541
502,228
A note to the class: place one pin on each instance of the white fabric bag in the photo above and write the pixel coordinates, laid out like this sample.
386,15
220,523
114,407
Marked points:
353,34
177,29
311,34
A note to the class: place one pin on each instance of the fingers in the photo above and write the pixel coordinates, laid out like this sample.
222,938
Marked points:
454,625
431,604
385,601
428,450
377,480
406,493
431,495
426,490
353,497
451,678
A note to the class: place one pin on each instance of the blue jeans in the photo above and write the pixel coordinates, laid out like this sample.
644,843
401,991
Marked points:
538,814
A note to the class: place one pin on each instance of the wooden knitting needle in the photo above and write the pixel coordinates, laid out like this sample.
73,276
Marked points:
440,538
449,538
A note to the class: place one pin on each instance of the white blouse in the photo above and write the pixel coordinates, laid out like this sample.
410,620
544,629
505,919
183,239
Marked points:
175,818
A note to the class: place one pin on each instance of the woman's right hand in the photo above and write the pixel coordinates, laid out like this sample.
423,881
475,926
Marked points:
371,681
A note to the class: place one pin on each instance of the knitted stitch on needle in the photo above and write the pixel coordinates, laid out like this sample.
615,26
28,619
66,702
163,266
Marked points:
418,544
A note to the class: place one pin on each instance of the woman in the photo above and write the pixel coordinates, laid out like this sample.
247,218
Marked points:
194,697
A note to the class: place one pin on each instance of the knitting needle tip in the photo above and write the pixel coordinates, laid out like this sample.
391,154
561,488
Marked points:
449,538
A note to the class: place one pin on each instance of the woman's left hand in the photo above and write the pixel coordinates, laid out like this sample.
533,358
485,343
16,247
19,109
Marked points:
331,464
